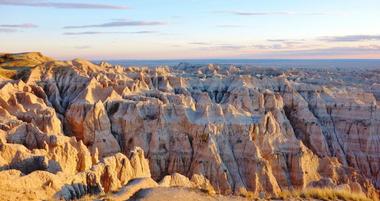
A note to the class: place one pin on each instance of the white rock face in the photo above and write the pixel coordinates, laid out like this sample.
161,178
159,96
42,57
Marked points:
231,131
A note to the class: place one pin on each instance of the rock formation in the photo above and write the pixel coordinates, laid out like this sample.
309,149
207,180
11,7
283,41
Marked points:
69,125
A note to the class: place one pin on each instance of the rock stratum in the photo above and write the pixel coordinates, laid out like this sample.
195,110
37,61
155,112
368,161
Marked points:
74,128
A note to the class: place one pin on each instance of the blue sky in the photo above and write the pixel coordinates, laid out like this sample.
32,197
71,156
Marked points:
175,29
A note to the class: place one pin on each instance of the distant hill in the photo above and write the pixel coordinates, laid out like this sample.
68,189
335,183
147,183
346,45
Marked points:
13,64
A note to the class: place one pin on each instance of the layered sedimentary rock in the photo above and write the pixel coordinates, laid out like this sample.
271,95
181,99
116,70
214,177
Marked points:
40,160
197,181
241,130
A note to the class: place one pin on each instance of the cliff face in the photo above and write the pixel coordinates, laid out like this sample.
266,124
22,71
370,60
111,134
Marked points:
243,132
38,159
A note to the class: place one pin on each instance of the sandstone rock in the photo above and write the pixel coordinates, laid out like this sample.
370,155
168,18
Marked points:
176,180
91,124
133,187
236,129
202,183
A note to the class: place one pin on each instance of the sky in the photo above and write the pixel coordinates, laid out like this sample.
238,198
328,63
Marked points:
192,29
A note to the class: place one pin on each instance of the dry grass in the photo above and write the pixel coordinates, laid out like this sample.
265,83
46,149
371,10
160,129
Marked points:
324,194
4,73
13,73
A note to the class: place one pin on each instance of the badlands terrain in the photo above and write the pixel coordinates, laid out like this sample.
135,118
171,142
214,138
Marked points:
79,130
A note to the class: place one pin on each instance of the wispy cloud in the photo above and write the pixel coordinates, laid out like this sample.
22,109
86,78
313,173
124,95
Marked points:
199,43
228,26
222,47
247,13
114,32
351,38
11,28
277,40
280,44
4,30
270,47
59,5
82,47
230,47
118,24
207,46
334,52
22,26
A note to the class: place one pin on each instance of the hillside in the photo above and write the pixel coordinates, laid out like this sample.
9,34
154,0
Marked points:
70,129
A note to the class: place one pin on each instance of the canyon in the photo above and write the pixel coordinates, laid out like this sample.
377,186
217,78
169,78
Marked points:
70,129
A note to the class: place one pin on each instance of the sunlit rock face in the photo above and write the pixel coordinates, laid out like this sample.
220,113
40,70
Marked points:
241,129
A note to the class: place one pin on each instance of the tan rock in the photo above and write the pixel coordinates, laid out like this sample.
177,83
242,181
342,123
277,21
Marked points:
176,180
252,132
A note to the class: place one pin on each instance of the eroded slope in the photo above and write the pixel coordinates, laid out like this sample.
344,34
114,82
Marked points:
247,130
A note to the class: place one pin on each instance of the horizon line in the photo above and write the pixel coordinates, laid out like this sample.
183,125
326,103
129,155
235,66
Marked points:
217,59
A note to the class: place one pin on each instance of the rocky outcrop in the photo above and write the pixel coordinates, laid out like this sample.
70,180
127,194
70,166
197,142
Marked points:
110,175
126,192
232,130
24,103
197,181
90,123
66,171
34,150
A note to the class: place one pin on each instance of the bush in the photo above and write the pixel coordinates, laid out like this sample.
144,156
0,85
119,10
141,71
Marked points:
324,194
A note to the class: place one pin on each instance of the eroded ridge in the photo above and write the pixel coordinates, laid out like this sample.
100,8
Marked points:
67,128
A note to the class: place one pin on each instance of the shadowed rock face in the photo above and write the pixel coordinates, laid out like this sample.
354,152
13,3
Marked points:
243,131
